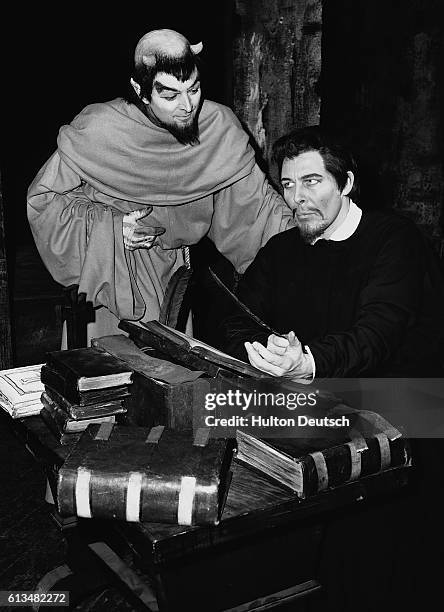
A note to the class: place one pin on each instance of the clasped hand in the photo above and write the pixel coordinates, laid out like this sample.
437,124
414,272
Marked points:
138,236
283,356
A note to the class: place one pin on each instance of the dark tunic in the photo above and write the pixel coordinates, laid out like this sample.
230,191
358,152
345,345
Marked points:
365,306
371,305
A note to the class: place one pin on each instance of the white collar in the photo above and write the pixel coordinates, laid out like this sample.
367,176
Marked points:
347,227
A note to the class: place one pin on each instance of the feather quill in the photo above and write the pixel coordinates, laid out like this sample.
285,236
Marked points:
242,306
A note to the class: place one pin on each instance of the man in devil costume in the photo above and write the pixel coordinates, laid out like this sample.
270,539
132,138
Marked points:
135,181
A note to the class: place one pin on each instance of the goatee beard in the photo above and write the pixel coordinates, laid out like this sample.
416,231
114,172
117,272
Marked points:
186,134
309,233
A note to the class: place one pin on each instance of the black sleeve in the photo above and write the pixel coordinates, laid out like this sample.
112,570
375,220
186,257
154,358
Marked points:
388,306
254,290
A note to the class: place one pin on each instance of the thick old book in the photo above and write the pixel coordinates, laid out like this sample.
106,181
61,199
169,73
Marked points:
60,422
85,369
141,474
162,392
187,350
88,411
20,391
55,382
311,466
159,369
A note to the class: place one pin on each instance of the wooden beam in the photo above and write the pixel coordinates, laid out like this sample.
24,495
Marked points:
277,65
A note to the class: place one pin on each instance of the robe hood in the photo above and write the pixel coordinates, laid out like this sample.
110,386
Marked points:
116,149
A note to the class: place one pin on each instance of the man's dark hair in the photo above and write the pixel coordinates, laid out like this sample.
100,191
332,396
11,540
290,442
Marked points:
337,159
180,67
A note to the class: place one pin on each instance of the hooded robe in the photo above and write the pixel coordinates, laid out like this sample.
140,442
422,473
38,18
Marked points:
112,160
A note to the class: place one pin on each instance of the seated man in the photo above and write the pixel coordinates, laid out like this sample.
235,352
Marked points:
362,295
358,290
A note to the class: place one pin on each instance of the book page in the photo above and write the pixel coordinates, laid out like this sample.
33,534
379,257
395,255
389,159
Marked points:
194,342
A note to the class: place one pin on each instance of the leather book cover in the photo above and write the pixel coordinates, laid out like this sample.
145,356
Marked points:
187,350
60,422
54,382
313,465
89,368
98,409
140,474
127,351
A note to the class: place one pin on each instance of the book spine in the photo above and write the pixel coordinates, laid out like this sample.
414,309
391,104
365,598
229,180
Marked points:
81,404
91,369
78,412
62,370
61,385
51,423
81,413
60,400
341,464
135,497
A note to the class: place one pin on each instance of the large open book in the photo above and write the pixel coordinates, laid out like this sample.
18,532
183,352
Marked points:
186,349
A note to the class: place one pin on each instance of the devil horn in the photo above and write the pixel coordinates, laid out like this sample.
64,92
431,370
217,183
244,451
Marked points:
197,48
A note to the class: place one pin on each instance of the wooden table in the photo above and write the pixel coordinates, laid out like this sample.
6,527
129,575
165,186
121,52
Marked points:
264,553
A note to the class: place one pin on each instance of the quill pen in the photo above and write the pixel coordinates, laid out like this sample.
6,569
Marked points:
243,307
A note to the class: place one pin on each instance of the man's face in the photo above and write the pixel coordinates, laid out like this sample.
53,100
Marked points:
313,194
176,103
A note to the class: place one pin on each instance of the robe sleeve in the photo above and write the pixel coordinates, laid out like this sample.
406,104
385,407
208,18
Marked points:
81,241
246,215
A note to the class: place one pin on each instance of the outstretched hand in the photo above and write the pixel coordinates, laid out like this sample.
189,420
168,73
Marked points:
283,356
138,236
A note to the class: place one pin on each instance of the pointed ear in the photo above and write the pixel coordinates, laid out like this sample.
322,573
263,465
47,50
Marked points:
135,86
349,184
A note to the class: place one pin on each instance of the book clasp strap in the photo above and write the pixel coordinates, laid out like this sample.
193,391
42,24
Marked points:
201,436
155,434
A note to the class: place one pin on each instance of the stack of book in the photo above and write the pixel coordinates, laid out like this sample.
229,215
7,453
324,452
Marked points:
21,390
82,386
